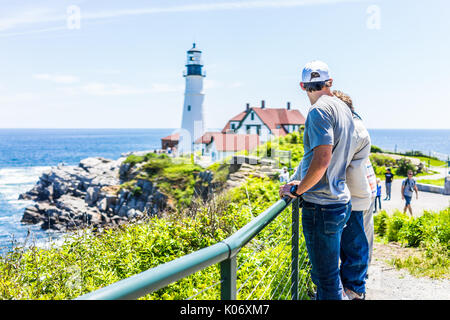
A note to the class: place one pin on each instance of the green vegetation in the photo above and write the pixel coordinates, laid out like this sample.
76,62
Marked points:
87,261
436,182
175,179
375,149
292,142
429,232
432,161
398,167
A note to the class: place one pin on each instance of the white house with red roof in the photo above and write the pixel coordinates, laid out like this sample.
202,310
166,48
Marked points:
265,122
248,129
218,145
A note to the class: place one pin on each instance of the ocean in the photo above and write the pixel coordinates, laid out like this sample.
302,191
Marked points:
26,153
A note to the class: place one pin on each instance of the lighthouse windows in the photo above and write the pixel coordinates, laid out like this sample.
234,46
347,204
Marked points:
189,108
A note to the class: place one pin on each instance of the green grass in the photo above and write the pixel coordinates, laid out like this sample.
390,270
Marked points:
433,162
87,261
436,182
429,233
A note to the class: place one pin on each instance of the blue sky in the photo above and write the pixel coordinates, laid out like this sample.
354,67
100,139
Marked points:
123,67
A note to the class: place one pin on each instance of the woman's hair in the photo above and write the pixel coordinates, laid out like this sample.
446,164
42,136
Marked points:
344,97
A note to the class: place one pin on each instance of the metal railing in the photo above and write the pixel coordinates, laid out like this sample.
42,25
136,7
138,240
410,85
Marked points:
225,253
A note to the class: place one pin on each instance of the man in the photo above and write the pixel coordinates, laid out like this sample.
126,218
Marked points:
320,179
408,186
389,178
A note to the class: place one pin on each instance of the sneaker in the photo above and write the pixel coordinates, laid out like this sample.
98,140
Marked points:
352,295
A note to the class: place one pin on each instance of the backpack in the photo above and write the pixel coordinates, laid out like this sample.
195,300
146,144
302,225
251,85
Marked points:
410,185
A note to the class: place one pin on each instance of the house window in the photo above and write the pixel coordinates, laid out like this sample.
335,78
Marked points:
258,130
233,126
189,108
252,116
248,129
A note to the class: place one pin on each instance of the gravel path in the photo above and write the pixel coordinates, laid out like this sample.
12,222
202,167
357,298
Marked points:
387,283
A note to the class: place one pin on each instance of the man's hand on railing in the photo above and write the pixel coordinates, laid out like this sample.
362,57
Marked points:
285,189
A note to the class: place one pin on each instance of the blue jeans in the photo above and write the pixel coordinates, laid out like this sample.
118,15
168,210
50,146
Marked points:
322,227
388,190
354,253
377,198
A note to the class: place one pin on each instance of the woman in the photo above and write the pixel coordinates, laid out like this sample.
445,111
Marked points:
360,180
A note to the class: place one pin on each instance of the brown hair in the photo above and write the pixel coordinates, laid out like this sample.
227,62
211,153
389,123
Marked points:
344,97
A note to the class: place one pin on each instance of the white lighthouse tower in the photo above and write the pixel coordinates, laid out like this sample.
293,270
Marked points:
192,124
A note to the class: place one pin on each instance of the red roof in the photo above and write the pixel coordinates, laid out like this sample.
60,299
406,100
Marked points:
229,141
239,117
172,137
272,118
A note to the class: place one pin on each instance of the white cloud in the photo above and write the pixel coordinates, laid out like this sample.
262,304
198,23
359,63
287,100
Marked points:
164,87
57,78
39,16
114,89
102,89
29,16
213,6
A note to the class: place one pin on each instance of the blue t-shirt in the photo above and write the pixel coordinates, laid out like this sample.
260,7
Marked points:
329,122
378,190
409,185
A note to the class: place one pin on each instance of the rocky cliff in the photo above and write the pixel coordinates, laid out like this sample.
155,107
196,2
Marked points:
101,192
71,197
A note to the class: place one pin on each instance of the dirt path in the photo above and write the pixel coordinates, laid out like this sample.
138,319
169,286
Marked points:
387,283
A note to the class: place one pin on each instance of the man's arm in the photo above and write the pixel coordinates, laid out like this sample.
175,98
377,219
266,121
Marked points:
417,191
403,189
319,165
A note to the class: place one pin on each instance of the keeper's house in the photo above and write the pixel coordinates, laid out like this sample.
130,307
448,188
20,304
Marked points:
249,128
218,145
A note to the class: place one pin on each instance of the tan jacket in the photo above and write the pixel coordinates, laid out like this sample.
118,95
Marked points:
360,169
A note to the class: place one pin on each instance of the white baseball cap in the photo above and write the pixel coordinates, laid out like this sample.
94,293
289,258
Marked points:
315,71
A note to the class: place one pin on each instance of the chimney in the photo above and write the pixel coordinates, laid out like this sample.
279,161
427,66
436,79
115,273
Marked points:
247,107
289,106
263,104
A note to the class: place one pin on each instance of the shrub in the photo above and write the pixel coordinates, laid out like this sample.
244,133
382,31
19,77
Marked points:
404,165
430,232
375,149
380,222
394,224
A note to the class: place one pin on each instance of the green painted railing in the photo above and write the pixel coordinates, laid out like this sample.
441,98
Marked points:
224,252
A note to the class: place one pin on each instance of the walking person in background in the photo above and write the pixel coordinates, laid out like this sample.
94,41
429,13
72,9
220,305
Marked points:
389,178
284,175
320,179
378,196
408,187
355,247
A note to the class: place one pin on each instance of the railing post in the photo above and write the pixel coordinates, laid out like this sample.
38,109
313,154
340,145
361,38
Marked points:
228,276
294,248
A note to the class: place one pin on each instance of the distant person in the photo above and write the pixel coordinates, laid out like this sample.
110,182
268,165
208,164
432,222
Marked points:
284,176
378,196
408,187
389,178
320,180
355,247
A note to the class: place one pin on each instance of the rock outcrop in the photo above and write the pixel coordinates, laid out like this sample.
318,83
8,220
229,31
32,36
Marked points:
72,197
93,194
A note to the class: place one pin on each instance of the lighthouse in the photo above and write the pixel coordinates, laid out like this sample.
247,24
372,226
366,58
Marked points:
192,124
